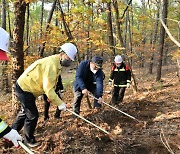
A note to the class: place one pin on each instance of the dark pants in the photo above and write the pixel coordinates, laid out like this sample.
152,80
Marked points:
78,97
28,115
46,109
118,94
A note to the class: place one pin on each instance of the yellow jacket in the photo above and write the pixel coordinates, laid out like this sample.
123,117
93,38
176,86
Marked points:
41,78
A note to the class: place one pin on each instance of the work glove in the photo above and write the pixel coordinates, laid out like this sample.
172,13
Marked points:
128,85
85,92
110,83
62,107
100,100
14,137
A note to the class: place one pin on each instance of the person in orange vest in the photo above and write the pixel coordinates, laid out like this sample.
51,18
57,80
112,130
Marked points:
6,131
120,79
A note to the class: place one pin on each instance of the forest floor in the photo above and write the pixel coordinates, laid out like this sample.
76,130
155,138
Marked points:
156,105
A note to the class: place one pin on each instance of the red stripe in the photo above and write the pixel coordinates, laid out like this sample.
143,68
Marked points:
3,55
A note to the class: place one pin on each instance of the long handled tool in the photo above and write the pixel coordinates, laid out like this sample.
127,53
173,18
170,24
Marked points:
88,121
25,147
116,109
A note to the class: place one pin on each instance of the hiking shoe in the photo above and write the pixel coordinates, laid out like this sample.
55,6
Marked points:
33,144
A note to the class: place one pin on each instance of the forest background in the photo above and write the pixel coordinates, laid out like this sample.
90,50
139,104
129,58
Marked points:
145,32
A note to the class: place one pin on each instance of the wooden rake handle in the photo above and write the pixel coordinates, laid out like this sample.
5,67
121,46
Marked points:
88,121
25,147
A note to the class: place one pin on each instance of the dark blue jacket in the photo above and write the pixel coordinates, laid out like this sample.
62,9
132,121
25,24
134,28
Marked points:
85,79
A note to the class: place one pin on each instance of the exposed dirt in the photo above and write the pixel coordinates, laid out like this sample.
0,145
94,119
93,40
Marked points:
156,106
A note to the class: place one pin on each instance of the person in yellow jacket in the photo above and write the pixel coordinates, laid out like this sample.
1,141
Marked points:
6,131
40,78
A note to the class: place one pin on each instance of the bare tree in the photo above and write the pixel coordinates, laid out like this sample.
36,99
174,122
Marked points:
41,23
162,36
115,4
110,28
4,63
150,70
47,26
17,51
66,27
27,28
9,21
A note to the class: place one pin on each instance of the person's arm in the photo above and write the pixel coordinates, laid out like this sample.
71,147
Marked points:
128,71
49,81
99,84
9,134
4,128
80,74
111,78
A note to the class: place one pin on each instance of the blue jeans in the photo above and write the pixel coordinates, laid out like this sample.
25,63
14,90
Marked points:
78,97
28,115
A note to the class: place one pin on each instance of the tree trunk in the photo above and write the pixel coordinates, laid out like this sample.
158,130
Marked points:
67,30
165,56
150,70
9,22
110,28
88,34
178,68
41,23
17,51
47,26
4,14
56,24
27,28
5,86
162,36
115,4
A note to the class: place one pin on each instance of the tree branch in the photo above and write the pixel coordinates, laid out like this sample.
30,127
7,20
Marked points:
169,34
126,9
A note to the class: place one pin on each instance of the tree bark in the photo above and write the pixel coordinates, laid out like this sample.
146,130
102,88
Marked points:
115,4
47,26
5,86
162,36
110,28
41,23
150,70
67,30
17,51
27,28
9,22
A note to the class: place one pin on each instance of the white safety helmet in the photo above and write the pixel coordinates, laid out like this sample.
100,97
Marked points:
118,59
70,49
4,40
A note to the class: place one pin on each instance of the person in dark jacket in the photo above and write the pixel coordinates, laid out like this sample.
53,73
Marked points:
89,78
60,92
121,78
